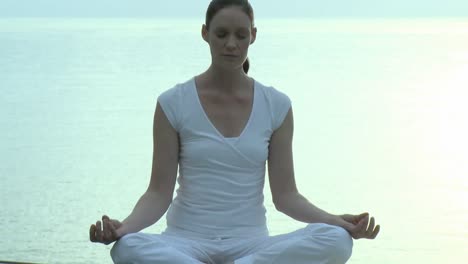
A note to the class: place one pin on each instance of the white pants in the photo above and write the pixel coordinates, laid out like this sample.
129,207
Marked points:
314,244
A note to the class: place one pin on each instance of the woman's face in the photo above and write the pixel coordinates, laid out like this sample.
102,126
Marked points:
229,36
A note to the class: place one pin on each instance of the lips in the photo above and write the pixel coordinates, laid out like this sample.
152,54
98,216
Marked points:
229,55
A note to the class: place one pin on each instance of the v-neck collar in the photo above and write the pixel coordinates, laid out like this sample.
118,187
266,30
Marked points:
228,139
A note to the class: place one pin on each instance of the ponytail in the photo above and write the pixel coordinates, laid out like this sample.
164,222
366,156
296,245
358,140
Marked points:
246,65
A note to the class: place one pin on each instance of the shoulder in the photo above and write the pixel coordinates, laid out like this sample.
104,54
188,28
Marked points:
273,94
177,91
278,103
173,102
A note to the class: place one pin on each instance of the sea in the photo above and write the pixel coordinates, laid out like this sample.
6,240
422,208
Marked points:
380,126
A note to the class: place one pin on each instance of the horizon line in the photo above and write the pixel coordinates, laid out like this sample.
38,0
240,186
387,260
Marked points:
257,18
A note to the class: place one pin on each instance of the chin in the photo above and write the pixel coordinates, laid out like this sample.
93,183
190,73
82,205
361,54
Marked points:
229,66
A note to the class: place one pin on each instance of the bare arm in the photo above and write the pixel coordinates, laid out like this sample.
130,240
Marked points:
287,198
156,200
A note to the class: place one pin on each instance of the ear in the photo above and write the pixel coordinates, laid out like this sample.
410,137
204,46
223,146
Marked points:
254,35
204,32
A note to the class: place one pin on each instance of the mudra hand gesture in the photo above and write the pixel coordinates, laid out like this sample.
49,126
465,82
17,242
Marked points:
359,226
105,233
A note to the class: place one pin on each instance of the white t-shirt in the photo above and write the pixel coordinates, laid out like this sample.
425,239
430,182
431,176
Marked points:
221,179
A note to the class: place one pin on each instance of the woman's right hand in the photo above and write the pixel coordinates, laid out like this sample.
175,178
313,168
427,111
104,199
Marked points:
106,232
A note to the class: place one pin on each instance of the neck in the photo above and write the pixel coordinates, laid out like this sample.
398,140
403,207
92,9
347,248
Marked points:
226,81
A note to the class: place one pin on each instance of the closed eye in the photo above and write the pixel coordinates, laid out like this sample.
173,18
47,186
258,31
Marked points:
241,36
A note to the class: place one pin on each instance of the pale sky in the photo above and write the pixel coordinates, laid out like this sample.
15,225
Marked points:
262,8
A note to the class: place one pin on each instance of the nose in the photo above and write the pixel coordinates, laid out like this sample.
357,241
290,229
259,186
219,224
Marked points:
231,42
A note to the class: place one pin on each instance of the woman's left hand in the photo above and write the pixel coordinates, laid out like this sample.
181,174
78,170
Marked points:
359,226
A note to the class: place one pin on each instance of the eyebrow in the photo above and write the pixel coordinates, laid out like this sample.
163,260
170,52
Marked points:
237,29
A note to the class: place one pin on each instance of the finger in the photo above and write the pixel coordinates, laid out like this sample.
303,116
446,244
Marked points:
363,222
92,233
105,222
370,229
363,216
113,230
98,231
358,218
376,231
106,235
360,228
110,226
106,232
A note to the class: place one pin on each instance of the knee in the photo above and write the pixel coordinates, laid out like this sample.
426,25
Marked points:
126,249
343,244
336,241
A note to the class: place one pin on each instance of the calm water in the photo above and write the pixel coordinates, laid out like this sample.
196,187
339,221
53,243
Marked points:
380,126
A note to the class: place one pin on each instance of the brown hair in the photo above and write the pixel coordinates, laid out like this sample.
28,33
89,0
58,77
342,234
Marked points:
216,5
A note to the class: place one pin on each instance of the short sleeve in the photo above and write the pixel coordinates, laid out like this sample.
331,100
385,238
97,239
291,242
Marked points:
170,104
281,106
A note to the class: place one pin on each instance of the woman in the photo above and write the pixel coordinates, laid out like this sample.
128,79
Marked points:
220,128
